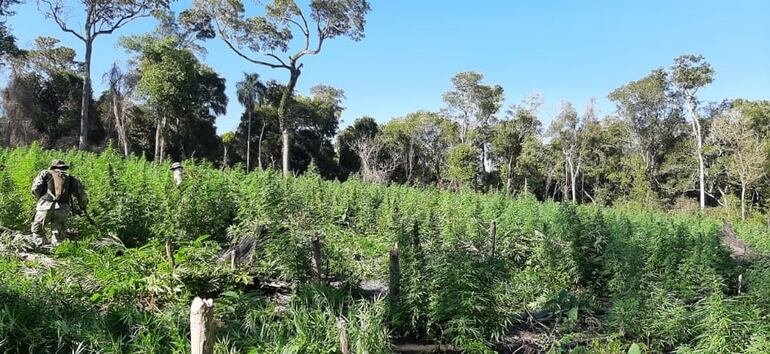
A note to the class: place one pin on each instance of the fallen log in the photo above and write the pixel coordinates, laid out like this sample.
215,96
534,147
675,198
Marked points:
426,348
738,248
239,253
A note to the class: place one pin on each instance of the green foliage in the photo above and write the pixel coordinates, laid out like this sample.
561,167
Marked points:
463,168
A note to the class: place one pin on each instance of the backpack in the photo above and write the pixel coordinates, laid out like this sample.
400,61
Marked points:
58,187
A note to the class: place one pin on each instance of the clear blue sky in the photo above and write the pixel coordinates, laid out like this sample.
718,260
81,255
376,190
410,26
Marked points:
564,50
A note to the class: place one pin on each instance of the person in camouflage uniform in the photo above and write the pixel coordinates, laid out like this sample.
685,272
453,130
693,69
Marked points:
178,171
54,188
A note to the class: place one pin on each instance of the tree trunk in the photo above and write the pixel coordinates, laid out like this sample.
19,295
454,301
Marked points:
259,147
248,142
483,158
743,201
509,178
224,158
285,151
86,99
156,156
696,129
284,123
162,138
410,159
565,188
573,179
526,188
119,110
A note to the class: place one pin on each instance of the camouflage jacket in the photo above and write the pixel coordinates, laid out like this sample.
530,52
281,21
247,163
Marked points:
40,188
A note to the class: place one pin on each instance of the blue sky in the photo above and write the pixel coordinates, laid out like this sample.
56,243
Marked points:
563,50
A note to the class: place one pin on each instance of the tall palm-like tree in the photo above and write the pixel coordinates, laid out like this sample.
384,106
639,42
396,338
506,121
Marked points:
251,92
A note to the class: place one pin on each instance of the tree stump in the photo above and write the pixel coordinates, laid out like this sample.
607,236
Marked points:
201,331
344,343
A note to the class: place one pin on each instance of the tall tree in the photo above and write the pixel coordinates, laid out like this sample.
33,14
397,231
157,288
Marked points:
42,98
689,74
185,95
758,113
101,17
260,38
463,169
418,143
473,105
744,148
348,160
470,102
227,141
652,113
251,91
8,46
315,122
509,135
569,128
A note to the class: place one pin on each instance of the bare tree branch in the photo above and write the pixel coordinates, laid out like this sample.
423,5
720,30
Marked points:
53,13
237,51
122,21
373,167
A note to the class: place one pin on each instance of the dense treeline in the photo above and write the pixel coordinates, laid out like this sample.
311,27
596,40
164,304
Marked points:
662,147
605,277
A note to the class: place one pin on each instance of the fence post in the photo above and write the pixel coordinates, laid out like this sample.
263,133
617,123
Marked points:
315,259
344,345
201,331
493,235
394,284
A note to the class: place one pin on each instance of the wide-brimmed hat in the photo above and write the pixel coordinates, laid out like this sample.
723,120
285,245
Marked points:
176,165
59,164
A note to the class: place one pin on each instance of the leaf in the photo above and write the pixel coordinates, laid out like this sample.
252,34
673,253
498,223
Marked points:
231,294
634,349
573,314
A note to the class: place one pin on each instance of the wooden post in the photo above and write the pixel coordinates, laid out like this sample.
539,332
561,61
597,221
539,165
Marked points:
493,235
233,261
394,286
201,330
344,344
170,253
315,257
